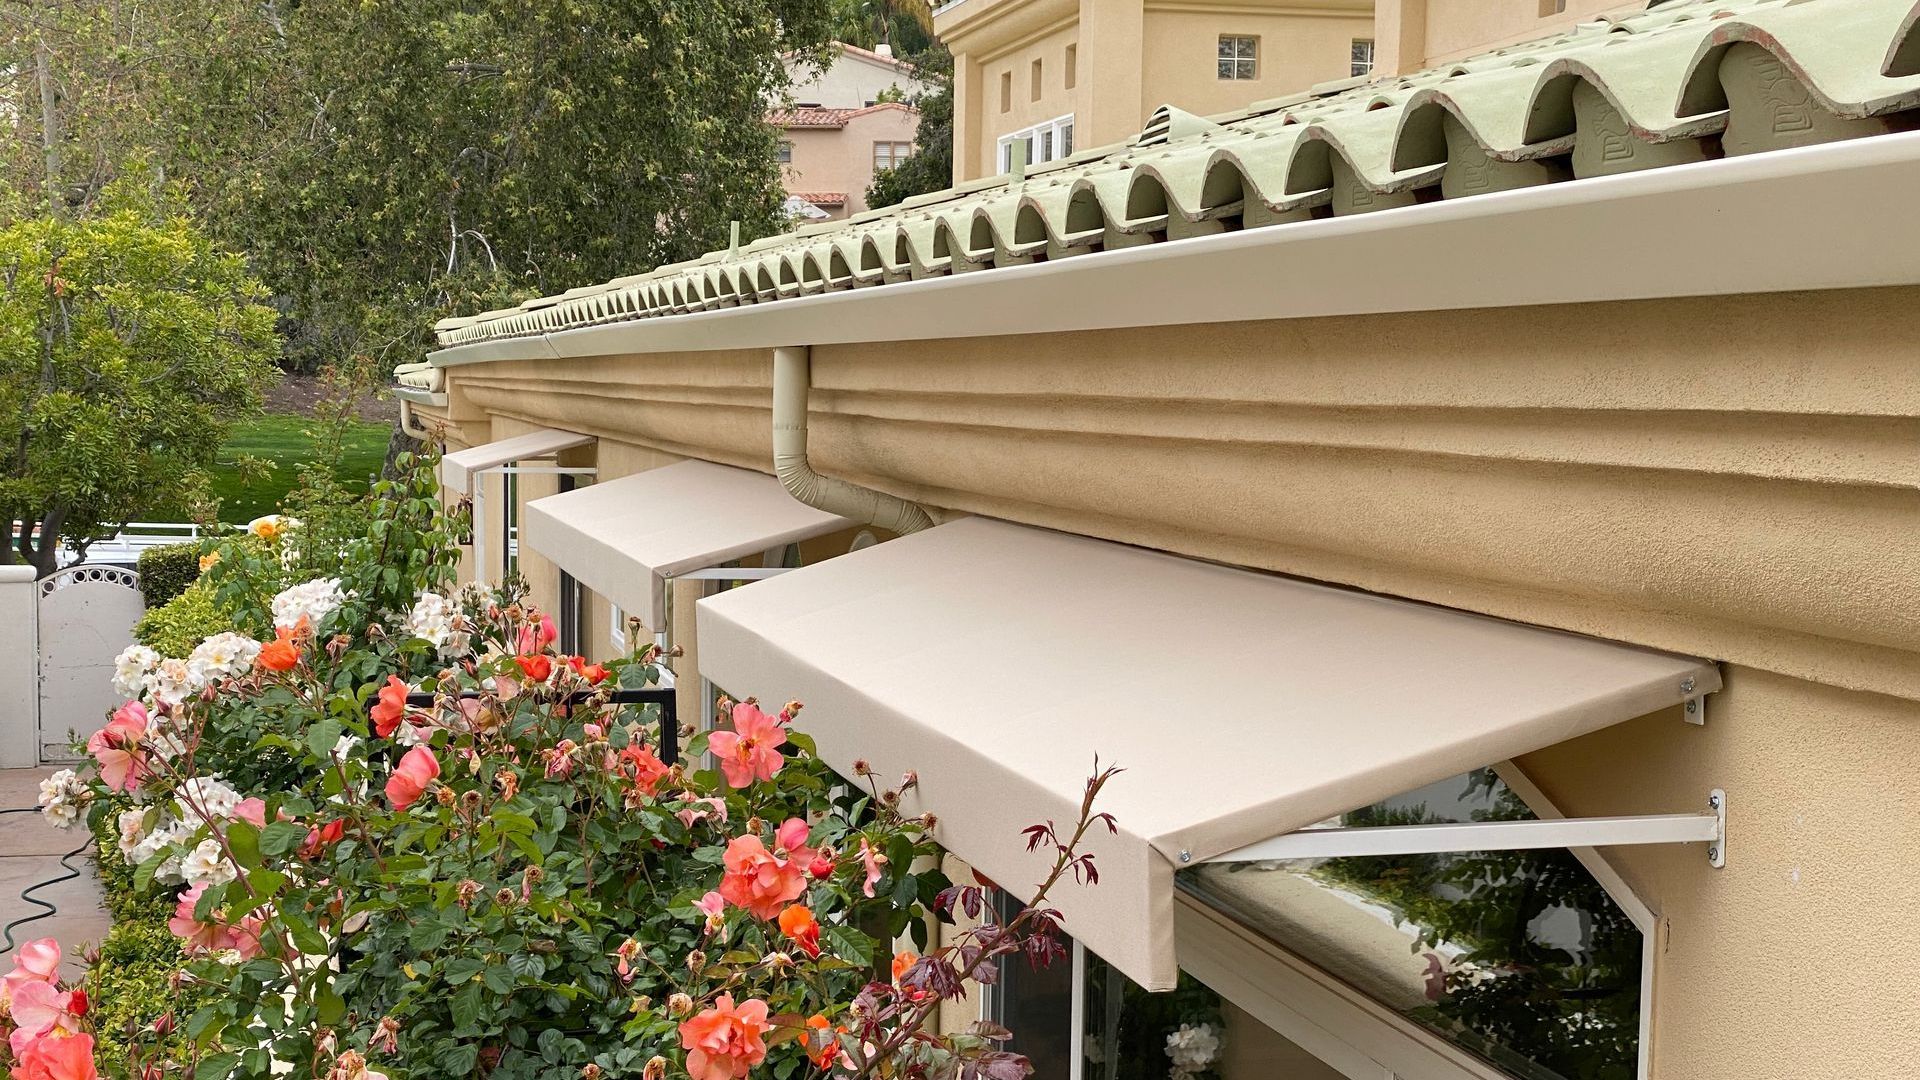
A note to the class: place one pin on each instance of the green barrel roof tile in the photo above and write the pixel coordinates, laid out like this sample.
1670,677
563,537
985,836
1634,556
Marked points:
1679,82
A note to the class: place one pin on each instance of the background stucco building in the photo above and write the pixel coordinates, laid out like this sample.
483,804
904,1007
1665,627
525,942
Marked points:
848,121
1599,340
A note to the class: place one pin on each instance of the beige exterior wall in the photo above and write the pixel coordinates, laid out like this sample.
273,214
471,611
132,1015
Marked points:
852,81
841,159
1731,478
1413,34
1129,58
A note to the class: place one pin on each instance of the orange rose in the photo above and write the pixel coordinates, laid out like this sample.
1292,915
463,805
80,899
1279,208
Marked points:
283,652
725,1042
393,706
760,881
797,922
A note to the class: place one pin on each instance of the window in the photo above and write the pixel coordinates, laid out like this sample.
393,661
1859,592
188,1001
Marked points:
1239,56
1070,71
1458,966
887,155
1522,958
1046,142
785,153
617,628
1006,91
1034,90
1362,57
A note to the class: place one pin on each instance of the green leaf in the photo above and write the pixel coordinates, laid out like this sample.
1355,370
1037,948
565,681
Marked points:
322,737
244,841
329,1006
281,837
216,1067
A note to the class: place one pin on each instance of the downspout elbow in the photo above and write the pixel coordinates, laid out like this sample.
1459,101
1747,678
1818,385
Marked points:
411,428
792,378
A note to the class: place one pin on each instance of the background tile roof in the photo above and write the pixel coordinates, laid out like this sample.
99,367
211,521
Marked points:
1685,81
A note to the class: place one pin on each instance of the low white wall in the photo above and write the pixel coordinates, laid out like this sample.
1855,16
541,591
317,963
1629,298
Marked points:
19,668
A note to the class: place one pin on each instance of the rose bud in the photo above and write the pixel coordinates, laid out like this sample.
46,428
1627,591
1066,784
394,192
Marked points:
679,1005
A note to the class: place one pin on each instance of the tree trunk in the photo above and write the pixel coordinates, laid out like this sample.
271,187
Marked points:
49,123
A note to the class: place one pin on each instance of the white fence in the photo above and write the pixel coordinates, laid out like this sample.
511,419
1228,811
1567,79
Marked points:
124,547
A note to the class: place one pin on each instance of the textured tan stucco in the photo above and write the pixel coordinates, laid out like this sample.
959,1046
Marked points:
841,159
1734,478
1130,58
1797,960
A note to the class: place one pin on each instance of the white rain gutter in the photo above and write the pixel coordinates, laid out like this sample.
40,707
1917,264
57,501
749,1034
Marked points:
1832,216
792,379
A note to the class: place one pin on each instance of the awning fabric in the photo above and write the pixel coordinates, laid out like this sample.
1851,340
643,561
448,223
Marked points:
997,660
457,468
624,538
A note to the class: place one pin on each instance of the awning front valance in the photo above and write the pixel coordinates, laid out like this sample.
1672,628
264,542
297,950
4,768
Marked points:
457,468
623,539
997,660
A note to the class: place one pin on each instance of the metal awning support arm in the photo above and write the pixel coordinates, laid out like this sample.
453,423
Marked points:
1709,828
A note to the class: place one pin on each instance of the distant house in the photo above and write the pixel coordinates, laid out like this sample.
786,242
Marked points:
829,156
839,131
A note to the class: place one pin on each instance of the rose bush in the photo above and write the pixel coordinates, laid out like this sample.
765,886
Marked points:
402,836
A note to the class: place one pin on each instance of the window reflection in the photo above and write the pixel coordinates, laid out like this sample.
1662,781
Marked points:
1190,1033
1518,956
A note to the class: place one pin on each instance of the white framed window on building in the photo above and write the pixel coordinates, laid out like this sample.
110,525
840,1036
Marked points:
1239,56
617,628
888,155
785,153
1361,57
1048,141
1532,964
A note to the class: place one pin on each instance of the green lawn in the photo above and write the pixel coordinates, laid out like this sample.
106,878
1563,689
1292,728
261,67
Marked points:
283,440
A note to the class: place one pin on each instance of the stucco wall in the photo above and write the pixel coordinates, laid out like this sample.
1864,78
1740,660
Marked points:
1295,52
1457,28
851,82
1733,478
1130,58
841,159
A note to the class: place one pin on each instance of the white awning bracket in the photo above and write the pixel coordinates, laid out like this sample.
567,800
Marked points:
1332,843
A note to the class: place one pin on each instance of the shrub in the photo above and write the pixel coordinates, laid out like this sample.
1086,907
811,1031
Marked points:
131,987
505,880
165,572
175,627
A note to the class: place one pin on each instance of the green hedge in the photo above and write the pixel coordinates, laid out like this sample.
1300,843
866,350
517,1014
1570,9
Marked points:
166,572
181,623
132,985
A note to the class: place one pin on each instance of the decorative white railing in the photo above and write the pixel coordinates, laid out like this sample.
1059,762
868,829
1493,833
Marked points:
126,545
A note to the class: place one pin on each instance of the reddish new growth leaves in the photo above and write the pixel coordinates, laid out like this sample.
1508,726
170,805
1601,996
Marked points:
895,1020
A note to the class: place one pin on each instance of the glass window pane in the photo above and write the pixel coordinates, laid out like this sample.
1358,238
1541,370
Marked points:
1518,956
1246,48
1046,146
1066,139
1226,68
1036,1004
1191,1033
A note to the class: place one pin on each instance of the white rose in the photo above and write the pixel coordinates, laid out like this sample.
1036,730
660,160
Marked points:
130,669
206,865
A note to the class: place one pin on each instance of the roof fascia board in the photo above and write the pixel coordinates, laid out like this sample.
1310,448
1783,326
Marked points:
1830,216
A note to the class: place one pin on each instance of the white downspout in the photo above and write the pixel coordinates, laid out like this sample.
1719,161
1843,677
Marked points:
792,377
411,428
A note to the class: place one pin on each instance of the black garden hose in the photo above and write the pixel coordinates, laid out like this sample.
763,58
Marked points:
26,894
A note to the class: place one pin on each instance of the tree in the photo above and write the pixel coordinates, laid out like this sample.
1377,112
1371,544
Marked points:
386,164
128,346
905,26
930,168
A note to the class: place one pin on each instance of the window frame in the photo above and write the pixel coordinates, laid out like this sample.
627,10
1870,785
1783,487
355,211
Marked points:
897,153
1347,1030
1222,55
1059,127
1354,70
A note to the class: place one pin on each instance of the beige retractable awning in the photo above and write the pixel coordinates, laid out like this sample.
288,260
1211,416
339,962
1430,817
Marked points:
624,538
998,660
457,468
